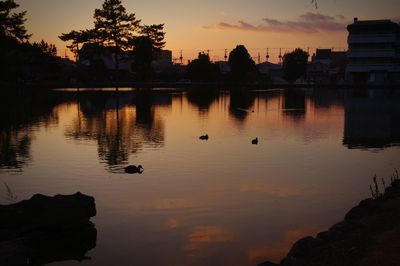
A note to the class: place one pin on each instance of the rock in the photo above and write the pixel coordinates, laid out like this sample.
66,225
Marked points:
45,229
367,207
369,235
44,211
268,263
305,248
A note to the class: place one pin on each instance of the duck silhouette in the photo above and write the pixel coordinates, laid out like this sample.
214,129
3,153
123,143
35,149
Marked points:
204,137
132,169
254,141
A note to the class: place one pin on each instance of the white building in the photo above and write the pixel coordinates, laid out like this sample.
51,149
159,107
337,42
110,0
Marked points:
374,52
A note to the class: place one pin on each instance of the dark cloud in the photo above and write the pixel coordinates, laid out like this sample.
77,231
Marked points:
306,23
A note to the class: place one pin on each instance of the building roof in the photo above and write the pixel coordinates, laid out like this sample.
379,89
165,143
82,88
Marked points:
323,54
375,25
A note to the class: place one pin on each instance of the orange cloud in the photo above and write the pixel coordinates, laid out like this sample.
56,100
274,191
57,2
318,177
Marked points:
306,23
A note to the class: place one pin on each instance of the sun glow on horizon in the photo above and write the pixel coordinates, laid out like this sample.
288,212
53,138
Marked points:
192,27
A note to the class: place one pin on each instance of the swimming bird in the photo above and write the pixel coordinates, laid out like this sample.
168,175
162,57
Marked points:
204,137
254,141
132,169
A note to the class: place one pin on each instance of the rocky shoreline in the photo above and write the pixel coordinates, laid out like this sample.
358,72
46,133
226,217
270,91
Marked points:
368,235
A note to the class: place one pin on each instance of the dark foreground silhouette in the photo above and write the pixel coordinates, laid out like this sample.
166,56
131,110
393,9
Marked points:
368,235
45,229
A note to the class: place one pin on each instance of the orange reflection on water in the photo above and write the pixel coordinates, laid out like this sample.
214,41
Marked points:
203,236
172,223
276,251
218,202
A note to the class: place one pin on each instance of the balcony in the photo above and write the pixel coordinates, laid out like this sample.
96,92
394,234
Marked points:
372,53
372,38
369,67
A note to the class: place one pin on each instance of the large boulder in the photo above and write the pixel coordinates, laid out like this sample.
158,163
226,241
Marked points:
46,229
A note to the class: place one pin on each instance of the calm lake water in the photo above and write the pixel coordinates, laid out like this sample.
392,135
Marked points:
218,202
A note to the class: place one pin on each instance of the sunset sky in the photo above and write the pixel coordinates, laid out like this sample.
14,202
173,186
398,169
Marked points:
195,26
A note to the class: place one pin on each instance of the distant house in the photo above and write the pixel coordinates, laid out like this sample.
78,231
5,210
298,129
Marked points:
374,52
162,61
327,67
274,71
93,53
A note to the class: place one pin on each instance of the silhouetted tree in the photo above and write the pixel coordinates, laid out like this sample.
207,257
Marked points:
12,24
156,33
202,68
241,62
47,48
79,37
115,26
143,55
295,65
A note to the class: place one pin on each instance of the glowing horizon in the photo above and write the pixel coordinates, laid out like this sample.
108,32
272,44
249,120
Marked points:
193,27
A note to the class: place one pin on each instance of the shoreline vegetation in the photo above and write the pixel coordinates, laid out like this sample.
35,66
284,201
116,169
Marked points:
368,235
174,84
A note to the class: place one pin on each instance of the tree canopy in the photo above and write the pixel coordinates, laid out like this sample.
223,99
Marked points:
79,37
114,25
295,65
241,62
46,48
12,24
156,33
202,68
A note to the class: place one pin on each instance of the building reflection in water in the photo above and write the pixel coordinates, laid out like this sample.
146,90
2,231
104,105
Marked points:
121,123
372,119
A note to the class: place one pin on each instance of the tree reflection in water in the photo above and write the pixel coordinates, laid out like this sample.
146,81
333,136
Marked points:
120,123
240,102
20,114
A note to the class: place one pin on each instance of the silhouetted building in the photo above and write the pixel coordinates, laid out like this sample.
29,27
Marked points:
374,52
327,67
162,60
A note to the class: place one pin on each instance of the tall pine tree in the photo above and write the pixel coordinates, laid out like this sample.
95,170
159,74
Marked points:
115,26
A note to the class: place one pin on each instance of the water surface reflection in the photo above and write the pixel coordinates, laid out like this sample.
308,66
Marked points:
120,123
220,202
